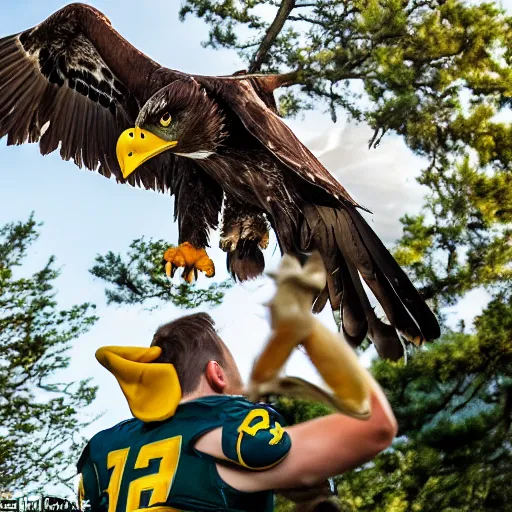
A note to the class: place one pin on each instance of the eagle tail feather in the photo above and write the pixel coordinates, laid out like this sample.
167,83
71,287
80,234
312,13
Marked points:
246,262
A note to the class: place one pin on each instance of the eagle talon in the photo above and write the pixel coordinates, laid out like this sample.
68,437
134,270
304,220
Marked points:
263,243
191,259
229,242
169,269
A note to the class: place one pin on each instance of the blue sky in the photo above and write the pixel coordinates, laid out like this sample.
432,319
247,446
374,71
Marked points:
85,214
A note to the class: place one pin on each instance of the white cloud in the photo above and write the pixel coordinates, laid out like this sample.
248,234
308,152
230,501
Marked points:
382,179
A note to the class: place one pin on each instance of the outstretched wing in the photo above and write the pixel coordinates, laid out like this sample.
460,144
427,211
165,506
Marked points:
74,81
349,246
244,96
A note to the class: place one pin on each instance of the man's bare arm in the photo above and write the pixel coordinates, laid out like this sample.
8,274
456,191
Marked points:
321,448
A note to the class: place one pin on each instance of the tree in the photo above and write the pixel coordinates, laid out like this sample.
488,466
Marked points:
41,419
436,72
139,278
453,403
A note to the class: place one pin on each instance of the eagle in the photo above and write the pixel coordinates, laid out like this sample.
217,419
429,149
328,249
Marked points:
218,145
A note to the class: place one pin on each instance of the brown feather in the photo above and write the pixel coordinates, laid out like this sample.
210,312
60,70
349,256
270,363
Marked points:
70,70
197,204
246,262
277,138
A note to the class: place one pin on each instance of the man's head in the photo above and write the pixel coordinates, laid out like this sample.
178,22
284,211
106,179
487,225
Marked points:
200,357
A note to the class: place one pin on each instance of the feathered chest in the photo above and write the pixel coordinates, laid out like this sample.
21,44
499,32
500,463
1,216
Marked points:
249,176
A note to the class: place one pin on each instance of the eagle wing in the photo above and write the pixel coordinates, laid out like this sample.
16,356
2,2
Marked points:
74,81
345,239
260,118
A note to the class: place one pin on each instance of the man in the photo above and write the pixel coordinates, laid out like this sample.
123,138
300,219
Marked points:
196,444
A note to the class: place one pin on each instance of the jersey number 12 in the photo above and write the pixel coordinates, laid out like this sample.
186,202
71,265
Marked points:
168,450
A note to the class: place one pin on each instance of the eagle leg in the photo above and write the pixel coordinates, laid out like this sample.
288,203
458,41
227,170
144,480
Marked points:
245,232
191,259
197,205
247,226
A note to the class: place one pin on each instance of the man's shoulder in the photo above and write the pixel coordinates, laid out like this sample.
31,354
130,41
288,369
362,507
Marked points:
244,407
225,406
253,435
99,440
214,403
121,428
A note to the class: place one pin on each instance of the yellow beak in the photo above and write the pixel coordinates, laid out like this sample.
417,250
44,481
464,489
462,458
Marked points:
135,146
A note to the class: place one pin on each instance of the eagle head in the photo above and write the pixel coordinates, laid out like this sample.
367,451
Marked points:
180,118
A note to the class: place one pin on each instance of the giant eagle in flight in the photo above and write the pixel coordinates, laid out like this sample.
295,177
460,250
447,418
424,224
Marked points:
214,143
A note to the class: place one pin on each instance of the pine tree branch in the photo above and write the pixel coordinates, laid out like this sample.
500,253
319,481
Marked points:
271,35
478,387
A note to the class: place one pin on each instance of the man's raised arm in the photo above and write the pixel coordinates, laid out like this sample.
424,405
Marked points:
327,446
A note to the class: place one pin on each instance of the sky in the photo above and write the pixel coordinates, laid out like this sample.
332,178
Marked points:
85,214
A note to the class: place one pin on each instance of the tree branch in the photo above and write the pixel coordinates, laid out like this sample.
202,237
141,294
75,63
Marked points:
273,32
477,388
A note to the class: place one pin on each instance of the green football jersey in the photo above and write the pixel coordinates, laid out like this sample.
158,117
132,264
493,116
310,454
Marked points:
155,467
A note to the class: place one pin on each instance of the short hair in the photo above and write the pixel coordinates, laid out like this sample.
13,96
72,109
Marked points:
189,343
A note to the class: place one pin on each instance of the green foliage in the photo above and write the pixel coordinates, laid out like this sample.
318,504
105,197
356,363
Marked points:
466,241
412,58
139,278
453,402
298,411
40,418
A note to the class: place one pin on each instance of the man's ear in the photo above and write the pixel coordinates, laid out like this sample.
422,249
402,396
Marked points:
215,376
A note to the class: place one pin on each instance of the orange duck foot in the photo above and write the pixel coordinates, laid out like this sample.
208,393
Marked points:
191,259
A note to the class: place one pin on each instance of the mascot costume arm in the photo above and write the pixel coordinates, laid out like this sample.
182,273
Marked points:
294,324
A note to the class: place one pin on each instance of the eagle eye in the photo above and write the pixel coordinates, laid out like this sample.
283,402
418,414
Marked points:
165,120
